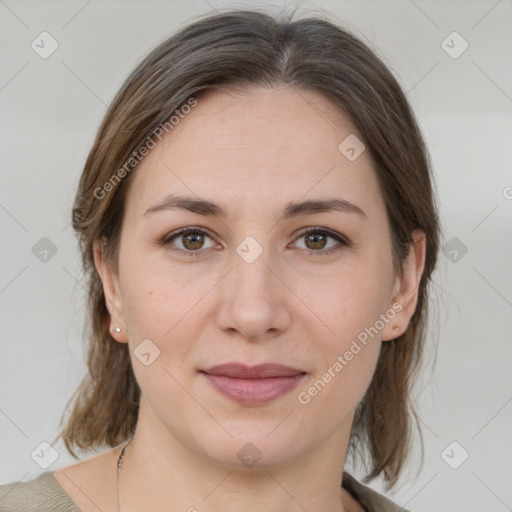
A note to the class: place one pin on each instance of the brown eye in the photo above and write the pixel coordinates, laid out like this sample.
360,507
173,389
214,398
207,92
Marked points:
316,241
192,241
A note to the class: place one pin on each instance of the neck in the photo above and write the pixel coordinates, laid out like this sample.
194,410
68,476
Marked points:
161,473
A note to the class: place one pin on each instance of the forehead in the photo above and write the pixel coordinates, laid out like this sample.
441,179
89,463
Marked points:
260,145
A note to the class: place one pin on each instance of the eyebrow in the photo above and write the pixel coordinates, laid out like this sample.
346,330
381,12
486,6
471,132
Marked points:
210,209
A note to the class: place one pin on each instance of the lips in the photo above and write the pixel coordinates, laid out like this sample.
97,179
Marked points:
253,385
261,371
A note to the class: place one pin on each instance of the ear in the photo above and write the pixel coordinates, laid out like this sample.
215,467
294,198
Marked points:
405,288
110,282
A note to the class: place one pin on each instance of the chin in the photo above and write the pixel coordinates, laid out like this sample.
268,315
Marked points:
250,448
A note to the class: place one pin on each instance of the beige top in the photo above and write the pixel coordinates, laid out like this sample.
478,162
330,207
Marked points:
44,494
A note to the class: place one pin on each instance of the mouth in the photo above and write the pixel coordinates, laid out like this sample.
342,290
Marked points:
260,371
253,385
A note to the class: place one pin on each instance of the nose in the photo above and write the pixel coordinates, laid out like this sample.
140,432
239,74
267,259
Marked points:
254,297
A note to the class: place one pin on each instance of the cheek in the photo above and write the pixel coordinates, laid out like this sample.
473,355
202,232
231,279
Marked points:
348,301
348,358
157,295
351,307
161,309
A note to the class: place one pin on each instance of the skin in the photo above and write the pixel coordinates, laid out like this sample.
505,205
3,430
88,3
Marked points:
252,152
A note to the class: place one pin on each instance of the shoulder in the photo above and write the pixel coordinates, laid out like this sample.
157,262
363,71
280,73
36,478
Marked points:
371,500
42,494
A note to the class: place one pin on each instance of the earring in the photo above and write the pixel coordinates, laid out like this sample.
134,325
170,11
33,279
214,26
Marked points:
396,329
117,329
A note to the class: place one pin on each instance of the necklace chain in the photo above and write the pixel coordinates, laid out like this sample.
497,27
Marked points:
119,464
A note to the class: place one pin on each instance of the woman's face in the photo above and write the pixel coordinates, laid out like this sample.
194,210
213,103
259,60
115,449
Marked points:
251,285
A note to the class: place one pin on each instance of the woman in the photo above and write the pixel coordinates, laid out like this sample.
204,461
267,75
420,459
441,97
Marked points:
258,223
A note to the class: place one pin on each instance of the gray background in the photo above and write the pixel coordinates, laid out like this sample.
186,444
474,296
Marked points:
51,109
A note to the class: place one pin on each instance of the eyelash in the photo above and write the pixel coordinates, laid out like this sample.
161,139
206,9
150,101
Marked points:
316,230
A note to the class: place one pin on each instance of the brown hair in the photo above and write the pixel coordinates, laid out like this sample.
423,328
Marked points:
240,48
